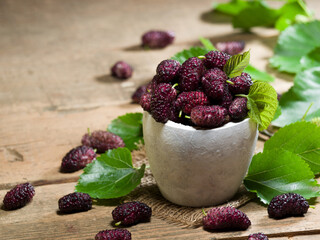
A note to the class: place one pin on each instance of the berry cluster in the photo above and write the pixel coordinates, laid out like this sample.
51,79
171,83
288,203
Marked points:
198,92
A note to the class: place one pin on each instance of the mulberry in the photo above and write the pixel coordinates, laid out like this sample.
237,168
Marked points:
113,234
131,213
102,141
77,158
216,59
19,196
238,109
214,83
209,116
231,47
121,70
186,101
167,70
157,39
75,202
190,74
241,84
257,236
227,218
136,96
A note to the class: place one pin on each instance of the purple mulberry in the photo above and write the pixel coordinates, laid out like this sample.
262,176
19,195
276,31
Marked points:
286,205
102,141
167,70
231,47
190,74
226,218
131,213
216,59
241,84
113,234
214,83
136,96
209,116
162,102
226,99
157,39
186,101
145,102
257,236
238,109
77,158
75,202
18,196
121,70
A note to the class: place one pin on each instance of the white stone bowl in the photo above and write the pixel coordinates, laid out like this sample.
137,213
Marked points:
199,168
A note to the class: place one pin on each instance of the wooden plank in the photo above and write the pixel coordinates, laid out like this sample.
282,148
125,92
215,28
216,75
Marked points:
41,219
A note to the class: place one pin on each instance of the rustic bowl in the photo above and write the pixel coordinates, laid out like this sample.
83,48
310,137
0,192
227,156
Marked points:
199,168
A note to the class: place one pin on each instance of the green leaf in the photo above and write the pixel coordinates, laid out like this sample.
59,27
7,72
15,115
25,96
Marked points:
312,59
232,8
191,52
278,112
256,14
110,176
276,171
291,12
258,75
129,128
207,44
236,64
300,138
293,43
295,102
262,104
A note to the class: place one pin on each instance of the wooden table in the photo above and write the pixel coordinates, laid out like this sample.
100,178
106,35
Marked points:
55,83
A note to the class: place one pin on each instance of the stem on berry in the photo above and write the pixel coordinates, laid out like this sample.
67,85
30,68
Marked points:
201,57
228,81
89,133
204,212
186,116
174,85
241,95
180,113
117,223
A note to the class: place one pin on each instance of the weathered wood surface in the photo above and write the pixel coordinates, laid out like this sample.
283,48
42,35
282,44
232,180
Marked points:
55,83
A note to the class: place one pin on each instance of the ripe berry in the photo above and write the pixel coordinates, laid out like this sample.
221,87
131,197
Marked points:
102,141
167,70
257,236
190,74
114,234
227,218
18,196
286,205
188,100
216,59
214,83
231,47
209,116
75,202
145,101
238,109
157,39
77,158
226,100
162,102
241,84
131,213
121,70
136,96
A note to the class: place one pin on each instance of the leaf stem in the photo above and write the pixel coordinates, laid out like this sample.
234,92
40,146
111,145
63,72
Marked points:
241,95
305,114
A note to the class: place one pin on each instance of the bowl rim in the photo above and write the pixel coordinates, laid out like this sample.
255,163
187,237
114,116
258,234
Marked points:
180,126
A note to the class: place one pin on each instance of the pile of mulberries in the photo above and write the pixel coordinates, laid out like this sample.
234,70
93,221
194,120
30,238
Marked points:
197,92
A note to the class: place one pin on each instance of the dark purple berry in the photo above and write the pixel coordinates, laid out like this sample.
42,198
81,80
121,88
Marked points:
121,70
18,196
102,141
113,234
188,100
226,218
209,116
214,83
241,84
157,39
162,100
286,205
167,70
238,109
138,93
231,47
77,158
257,236
216,59
75,202
145,102
190,74
226,99
131,213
